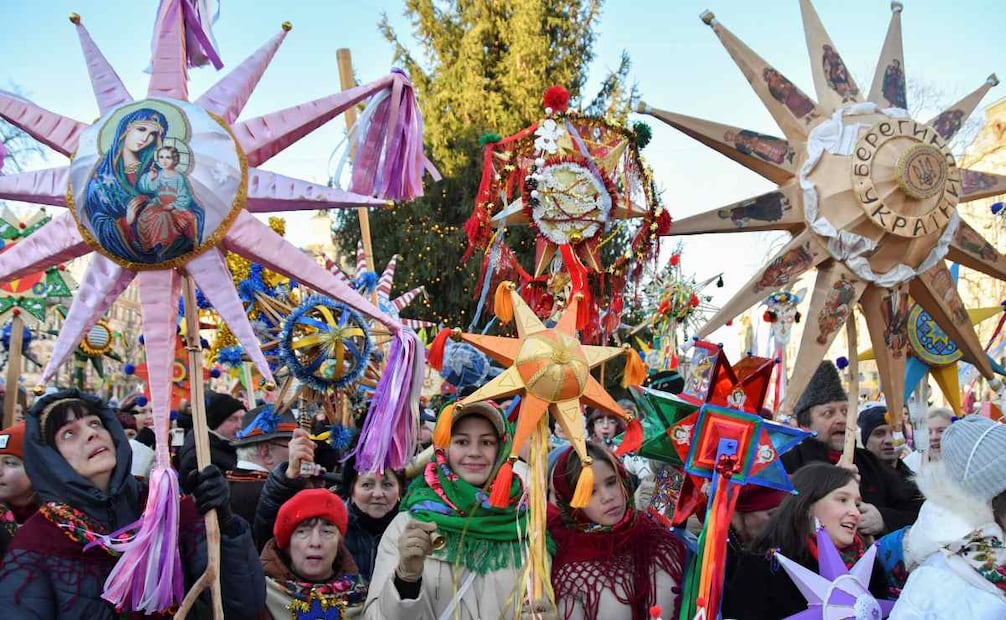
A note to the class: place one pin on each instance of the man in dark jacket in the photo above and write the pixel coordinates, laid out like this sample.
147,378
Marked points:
888,503
878,439
224,415
262,444
78,459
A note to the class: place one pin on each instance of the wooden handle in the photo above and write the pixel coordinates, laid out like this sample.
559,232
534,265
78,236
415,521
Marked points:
200,431
852,415
13,369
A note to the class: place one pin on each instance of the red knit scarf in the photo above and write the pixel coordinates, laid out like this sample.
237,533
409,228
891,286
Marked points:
622,559
850,555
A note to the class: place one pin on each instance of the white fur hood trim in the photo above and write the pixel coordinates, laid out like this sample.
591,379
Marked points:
948,514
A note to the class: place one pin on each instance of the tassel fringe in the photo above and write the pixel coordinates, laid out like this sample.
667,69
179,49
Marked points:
143,579
633,438
635,369
499,496
435,357
502,303
584,486
442,431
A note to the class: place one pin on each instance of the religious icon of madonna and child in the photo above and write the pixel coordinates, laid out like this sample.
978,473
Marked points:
144,200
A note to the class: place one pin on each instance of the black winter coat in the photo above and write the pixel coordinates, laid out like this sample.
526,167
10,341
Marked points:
47,575
222,454
879,484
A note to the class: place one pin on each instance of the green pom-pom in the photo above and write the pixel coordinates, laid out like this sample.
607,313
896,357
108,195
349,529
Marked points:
489,138
643,134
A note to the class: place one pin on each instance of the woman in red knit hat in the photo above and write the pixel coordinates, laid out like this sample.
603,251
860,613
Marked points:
612,561
308,569
17,497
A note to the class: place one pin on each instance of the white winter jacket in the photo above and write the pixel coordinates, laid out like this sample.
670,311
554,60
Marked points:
942,586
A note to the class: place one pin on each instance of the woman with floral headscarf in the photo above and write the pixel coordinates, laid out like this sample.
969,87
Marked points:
612,561
449,554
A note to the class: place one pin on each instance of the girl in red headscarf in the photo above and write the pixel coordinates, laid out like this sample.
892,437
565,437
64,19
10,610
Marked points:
612,562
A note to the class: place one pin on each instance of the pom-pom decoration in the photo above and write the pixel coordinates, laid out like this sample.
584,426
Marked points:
325,344
644,133
489,138
841,362
556,98
129,369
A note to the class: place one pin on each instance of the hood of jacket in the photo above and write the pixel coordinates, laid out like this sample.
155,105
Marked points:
948,514
55,481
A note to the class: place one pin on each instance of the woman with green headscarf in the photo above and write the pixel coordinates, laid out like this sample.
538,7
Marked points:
449,554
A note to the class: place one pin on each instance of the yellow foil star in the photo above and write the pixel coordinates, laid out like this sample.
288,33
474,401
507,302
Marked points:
550,369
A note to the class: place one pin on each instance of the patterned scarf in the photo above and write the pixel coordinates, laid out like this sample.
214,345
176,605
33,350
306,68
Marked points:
619,558
80,528
7,520
478,536
315,600
983,550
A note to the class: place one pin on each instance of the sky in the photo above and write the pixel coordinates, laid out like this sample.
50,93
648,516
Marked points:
678,65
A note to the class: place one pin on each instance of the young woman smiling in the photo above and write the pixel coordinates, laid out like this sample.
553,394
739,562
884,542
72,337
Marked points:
827,495
472,571
612,561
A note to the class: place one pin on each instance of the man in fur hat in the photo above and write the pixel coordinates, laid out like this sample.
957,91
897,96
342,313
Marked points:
888,504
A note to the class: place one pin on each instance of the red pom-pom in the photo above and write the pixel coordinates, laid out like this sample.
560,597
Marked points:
769,316
16,312
655,611
675,259
730,322
694,301
557,98
663,222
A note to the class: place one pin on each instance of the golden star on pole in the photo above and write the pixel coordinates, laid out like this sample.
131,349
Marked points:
550,369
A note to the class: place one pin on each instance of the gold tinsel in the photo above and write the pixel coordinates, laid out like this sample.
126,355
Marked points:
224,338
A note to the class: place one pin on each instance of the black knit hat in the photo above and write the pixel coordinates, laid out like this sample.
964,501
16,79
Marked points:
219,407
824,387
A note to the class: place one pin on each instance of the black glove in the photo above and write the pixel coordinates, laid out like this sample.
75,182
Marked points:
210,491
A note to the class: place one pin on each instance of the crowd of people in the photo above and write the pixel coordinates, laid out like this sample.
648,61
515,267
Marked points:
304,534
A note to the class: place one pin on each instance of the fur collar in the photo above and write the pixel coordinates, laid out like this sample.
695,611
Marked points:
948,514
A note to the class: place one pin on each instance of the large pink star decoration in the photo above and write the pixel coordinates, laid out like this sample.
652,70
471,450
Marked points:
160,188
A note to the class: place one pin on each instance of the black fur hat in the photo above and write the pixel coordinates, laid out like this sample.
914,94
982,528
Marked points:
824,387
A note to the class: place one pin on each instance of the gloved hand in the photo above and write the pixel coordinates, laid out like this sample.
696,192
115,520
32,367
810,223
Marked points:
539,609
414,545
210,491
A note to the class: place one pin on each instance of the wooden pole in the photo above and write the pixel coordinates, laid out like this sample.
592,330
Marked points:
852,415
13,368
200,431
345,59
